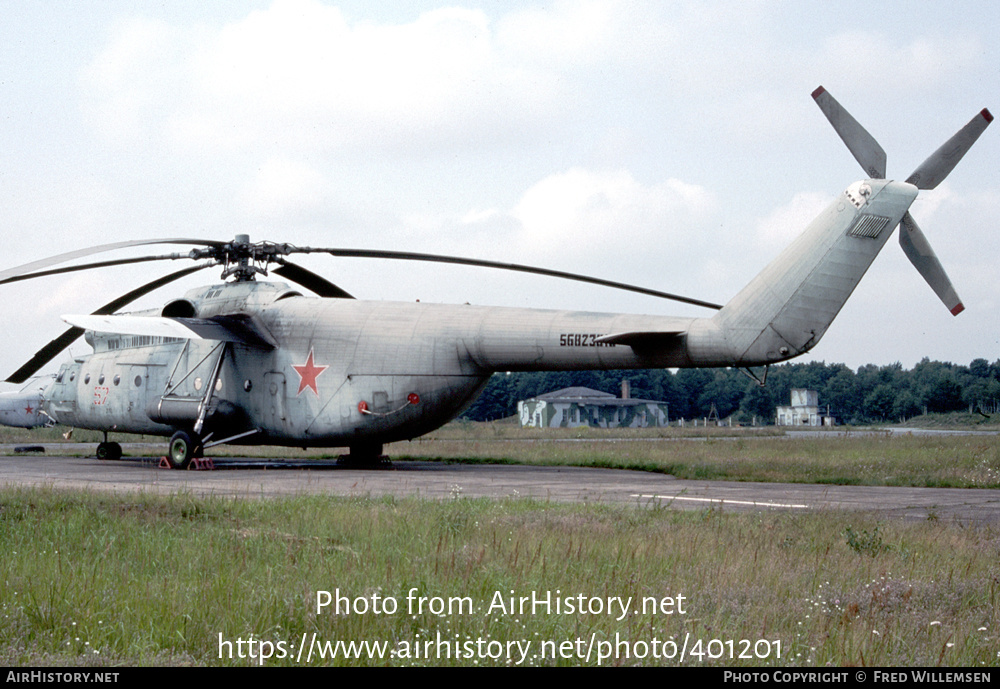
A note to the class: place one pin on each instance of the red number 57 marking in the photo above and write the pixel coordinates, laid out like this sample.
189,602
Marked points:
100,394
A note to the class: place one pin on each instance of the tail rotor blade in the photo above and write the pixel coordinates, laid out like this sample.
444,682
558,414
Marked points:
921,255
940,163
863,146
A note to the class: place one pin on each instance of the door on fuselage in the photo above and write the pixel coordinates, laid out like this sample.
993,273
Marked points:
274,408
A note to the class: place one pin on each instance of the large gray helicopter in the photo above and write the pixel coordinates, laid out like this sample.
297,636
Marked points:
257,362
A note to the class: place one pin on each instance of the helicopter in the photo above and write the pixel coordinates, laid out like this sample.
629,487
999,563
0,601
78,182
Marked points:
248,361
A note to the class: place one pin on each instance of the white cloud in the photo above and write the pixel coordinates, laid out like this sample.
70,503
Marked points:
579,213
779,227
299,74
568,33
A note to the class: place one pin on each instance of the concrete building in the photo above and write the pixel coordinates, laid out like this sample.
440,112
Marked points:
804,410
571,407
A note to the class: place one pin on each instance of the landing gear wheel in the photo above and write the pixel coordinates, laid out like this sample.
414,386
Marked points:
108,450
182,448
365,456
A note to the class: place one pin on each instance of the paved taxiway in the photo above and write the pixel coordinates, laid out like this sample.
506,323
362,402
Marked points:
259,478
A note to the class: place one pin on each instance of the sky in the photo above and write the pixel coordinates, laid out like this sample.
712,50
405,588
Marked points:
673,145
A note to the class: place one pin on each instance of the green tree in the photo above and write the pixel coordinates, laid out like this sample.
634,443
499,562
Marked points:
879,403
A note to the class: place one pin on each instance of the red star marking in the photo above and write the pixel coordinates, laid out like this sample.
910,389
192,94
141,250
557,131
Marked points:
308,373
29,409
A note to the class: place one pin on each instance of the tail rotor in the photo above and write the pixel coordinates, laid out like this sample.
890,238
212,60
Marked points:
928,175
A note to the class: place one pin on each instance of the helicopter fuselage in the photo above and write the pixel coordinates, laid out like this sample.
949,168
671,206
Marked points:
341,371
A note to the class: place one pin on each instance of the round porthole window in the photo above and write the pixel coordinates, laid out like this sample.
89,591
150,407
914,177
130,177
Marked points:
138,381
100,380
86,379
248,385
117,379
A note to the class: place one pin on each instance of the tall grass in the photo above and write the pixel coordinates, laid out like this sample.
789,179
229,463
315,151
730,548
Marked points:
858,459
96,579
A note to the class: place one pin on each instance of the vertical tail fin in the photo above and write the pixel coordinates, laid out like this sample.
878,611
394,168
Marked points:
787,308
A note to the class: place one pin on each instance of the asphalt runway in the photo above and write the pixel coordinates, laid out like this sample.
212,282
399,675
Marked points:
269,478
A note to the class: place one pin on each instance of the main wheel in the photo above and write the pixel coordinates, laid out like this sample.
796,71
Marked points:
365,456
181,449
108,450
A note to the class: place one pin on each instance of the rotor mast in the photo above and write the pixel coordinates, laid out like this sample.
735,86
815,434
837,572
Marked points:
239,257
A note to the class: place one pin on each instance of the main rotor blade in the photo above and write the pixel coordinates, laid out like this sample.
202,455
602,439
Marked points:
458,260
80,253
310,280
932,171
49,351
89,266
863,146
921,255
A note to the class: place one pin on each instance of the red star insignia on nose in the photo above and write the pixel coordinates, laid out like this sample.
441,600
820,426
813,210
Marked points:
308,373
29,410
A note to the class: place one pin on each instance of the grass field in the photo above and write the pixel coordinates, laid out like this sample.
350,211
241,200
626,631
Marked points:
94,579
101,580
857,459
844,457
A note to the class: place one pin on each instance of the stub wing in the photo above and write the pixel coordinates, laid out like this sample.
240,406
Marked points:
238,329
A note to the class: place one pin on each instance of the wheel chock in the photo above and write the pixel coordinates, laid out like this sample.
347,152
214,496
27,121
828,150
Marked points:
197,464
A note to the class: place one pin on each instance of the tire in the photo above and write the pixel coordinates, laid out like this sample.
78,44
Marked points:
108,450
181,450
365,456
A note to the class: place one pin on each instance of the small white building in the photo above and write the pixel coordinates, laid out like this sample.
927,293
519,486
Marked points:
804,411
578,406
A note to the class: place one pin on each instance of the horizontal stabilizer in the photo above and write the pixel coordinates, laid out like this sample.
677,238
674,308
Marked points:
221,328
645,341
940,163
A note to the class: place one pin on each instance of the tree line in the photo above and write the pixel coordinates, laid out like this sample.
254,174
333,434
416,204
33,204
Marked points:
870,394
